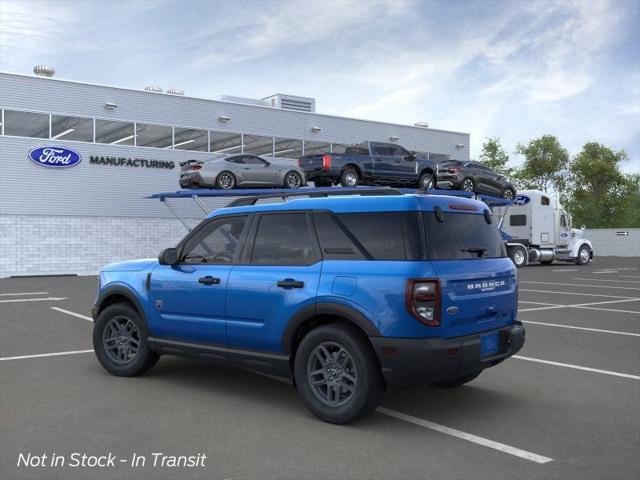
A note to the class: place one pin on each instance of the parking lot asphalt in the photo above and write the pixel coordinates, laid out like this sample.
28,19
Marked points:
568,406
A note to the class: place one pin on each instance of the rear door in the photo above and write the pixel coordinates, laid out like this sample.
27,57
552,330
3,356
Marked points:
478,282
188,299
279,274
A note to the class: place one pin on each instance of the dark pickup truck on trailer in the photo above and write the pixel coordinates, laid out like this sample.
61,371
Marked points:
370,163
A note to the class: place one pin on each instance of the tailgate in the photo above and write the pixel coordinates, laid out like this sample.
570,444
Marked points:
477,295
311,163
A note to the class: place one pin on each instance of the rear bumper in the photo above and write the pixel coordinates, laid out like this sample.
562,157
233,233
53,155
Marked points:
445,180
191,179
416,362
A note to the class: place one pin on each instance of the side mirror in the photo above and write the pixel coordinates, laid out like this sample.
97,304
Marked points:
169,256
411,156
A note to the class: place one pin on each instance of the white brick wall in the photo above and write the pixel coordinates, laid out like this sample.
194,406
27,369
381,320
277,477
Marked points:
41,244
607,242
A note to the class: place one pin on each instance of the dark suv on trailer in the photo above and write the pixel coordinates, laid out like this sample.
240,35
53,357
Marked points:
346,295
474,177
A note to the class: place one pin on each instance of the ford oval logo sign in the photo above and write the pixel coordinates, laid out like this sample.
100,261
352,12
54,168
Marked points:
521,200
55,157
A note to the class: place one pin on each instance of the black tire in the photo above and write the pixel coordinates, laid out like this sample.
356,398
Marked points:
225,180
368,387
509,194
348,176
134,364
292,180
322,182
426,181
584,255
468,185
457,382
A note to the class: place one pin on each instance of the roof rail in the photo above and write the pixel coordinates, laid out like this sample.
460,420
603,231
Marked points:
315,193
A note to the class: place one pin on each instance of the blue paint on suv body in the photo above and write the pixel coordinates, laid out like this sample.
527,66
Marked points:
247,310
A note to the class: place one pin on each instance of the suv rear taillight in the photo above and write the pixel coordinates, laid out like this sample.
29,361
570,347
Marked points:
423,301
299,162
326,161
454,170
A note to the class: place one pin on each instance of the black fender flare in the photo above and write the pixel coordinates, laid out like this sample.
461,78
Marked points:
121,290
326,308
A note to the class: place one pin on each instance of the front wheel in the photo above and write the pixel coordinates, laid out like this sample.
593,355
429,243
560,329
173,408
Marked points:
293,179
584,255
349,178
508,194
426,181
518,256
120,341
337,374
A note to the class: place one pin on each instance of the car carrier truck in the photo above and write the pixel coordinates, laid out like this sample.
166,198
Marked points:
538,229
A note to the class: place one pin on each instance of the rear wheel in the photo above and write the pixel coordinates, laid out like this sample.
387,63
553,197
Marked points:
584,255
426,181
508,194
468,185
337,374
293,179
349,178
226,180
457,382
120,341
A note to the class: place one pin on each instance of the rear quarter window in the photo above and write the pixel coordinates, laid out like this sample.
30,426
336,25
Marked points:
461,236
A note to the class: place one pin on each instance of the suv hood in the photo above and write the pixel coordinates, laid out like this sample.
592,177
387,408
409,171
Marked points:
129,265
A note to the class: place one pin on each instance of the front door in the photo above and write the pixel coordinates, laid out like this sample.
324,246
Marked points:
278,276
188,299
391,163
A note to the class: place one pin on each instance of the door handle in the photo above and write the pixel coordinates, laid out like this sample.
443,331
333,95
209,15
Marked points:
209,280
290,283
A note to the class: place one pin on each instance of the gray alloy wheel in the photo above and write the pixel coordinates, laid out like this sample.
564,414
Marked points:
349,178
583,255
426,181
293,180
121,340
467,185
332,374
226,181
508,194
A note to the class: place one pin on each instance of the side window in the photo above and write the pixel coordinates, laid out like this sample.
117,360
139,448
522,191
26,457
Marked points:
380,233
398,151
283,239
517,220
218,242
238,159
334,241
380,149
252,160
545,200
563,220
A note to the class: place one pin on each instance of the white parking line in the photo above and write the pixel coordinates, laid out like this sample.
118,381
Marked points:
615,332
575,293
581,285
607,271
602,280
73,314
566,270
635,312
39,355
540,303
22,293
588,306
578,367
485,442
48,299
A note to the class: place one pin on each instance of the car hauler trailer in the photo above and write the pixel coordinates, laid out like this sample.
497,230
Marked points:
539,230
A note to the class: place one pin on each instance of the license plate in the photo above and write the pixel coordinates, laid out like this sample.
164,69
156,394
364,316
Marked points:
489,344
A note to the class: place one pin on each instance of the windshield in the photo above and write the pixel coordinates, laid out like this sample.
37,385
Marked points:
461,236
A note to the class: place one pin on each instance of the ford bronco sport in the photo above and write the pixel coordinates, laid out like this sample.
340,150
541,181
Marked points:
346,295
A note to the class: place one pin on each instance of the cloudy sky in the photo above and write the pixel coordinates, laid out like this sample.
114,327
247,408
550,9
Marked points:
511,69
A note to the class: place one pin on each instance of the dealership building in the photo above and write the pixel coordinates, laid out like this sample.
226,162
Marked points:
127,144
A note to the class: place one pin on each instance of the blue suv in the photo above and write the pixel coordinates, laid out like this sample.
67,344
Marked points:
348,295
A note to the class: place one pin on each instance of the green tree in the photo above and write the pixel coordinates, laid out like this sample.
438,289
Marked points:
495,157
599,193
544,165
630,215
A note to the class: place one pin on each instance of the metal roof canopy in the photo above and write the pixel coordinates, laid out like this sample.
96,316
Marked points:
243,197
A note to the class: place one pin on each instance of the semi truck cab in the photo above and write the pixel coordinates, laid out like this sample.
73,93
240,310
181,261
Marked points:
540,230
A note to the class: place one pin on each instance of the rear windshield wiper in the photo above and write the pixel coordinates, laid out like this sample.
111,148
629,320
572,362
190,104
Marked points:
479,250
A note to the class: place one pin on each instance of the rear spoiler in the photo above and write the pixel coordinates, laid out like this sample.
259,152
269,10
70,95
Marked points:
189,162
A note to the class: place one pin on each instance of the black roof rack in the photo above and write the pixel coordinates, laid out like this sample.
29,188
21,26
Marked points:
315,193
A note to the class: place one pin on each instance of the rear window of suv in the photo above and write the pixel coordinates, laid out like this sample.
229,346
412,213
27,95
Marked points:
461,236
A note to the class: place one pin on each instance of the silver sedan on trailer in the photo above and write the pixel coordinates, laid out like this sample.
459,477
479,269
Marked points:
241,170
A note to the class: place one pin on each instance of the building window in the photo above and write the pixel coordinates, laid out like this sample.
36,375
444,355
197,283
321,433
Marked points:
71,128
224,142
316,148
157,136
190,139
113,132
258,145
287,148
26,124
